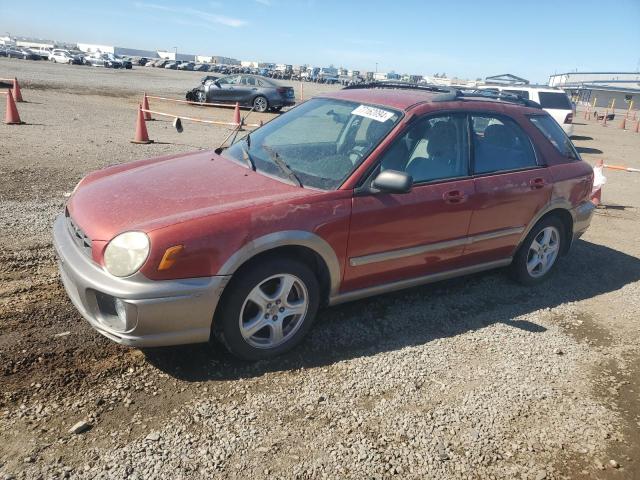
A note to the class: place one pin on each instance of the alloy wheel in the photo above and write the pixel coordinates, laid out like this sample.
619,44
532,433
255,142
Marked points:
260,104
543,251
273,311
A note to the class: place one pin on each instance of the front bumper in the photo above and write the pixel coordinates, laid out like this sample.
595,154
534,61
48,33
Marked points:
156,313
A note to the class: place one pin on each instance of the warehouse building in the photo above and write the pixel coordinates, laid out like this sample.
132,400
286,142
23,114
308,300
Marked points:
603,88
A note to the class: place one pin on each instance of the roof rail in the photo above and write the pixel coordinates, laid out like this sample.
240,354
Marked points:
494,95
446,94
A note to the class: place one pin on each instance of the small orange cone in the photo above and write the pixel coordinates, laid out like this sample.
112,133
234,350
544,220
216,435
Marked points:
11,116
142,136
604,120
236,115
623,124
145,106
17,94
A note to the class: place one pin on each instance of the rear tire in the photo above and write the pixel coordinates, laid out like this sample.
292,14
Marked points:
260,104
267,309
538,255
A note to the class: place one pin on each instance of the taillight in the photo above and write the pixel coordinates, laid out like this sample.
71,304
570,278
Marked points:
281,90
569,118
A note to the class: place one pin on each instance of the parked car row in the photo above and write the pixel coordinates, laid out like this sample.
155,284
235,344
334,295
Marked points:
66,56
19,52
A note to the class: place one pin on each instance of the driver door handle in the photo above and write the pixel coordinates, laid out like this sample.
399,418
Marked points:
454,196
537,183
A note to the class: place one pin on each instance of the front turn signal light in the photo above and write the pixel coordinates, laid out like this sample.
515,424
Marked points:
170,256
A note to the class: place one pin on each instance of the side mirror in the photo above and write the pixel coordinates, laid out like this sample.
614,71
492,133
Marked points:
393,181
217,83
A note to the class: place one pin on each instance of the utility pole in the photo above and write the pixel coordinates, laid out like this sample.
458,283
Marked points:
376,67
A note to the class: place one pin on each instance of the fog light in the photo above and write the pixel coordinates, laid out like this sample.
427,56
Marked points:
121,310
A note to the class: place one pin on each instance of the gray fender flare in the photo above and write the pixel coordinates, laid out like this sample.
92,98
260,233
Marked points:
559,203
285,239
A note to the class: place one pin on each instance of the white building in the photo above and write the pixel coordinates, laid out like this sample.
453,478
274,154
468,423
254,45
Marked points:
604,79
94,48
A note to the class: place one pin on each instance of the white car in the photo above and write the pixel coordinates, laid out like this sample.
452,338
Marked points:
64,56
553,100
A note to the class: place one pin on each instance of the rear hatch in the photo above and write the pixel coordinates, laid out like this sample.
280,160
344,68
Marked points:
558,105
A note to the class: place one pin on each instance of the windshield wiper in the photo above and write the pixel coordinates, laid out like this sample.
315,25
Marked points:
282,166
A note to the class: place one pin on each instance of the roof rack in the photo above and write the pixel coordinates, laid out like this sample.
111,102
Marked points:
447,94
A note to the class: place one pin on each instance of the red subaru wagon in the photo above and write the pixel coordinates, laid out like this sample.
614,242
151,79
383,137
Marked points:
351,194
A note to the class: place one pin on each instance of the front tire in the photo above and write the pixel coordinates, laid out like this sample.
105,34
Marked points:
260,104
538,255
267,309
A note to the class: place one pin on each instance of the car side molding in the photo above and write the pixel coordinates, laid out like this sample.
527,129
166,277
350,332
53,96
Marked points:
416,281
287,238
432,247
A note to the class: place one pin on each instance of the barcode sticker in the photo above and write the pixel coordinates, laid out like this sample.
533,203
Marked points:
373,113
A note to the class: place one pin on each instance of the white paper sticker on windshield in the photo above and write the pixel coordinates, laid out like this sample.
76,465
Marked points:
373,113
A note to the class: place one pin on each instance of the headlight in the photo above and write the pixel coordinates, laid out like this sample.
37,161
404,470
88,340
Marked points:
126,253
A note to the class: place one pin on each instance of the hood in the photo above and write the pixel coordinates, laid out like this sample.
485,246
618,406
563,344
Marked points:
152,194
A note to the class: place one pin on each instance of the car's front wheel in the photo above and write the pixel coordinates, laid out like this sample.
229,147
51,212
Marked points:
267,309
539,253
260,104
201,96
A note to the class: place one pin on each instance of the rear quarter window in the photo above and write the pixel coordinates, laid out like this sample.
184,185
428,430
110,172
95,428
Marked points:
554,100
555,134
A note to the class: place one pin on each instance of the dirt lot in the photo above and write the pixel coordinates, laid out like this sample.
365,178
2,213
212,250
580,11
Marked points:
472,378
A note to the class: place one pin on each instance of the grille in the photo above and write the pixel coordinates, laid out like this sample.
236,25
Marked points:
79,237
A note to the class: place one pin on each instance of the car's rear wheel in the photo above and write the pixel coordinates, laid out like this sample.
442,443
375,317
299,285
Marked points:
539,253
260,104
268,309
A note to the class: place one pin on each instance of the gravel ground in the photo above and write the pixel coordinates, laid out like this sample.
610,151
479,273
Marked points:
470,378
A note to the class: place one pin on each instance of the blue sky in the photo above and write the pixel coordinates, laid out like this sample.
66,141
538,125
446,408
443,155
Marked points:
465,38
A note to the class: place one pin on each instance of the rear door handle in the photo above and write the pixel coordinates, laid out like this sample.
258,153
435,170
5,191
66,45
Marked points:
537,183
453,196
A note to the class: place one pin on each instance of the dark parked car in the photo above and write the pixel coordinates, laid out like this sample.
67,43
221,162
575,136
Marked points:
23,53
248,90
352,194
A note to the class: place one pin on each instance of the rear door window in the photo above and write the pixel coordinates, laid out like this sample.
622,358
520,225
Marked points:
499,144
554,100
555,134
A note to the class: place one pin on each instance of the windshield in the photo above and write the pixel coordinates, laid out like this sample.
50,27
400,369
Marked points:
322,141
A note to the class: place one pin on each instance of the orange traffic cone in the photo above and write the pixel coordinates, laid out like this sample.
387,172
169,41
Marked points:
17,94
623,124
145,106
236,115
11,116
142,136
604,120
